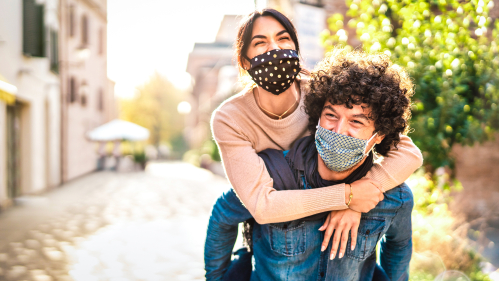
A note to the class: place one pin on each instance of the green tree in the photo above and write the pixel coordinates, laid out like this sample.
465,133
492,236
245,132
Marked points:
155,107
450,48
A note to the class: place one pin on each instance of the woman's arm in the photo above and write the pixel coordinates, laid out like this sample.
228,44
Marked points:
398,165
254,186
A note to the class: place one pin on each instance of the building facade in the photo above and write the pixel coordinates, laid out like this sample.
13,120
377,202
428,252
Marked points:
87,95
29,119
53,90
214,78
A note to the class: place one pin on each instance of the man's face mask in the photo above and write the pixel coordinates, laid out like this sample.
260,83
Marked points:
275,70
340,152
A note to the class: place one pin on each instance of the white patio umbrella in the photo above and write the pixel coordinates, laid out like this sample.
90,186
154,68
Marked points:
119,130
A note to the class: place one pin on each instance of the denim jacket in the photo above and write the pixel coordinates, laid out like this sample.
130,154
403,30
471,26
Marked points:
291,250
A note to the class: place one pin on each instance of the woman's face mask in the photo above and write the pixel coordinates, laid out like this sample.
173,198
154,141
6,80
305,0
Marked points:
340,152
276,70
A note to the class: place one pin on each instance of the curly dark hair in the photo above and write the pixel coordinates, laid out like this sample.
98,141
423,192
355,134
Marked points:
354,77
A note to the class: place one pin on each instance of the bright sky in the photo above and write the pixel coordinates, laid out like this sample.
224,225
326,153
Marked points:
158,35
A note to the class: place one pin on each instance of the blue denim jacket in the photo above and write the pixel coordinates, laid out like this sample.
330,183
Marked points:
291,250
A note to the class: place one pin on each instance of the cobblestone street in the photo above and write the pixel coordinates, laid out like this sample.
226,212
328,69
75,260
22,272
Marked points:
113,226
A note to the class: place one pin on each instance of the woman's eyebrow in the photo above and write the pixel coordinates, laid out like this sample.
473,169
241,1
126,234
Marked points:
259,36
282,32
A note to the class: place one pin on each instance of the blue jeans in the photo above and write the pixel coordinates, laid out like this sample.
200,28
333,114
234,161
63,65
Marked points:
390,222
291,250
221,236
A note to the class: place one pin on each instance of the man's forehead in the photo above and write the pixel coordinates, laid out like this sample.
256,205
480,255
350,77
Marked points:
364,107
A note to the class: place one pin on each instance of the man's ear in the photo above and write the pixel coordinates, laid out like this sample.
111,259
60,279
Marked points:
378,139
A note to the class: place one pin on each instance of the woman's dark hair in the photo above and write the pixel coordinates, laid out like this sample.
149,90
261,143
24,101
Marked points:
246,30
354,77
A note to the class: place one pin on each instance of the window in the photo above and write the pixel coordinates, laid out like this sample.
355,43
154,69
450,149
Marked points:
72,90
54,51
83,93
101,41
33,29
72,22
100,100
84,30
84,100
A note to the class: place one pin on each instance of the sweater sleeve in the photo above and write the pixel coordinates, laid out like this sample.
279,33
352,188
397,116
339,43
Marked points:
250,179
398,165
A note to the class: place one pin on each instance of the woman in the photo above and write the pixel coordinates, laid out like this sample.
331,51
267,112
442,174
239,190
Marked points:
269,114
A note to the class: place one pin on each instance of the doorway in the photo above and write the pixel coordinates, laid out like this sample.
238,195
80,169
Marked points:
14,151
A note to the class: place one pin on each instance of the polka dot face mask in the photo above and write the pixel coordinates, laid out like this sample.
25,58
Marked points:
276,70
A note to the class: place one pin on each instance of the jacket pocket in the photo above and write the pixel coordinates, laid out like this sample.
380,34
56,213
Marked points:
288,238
371,229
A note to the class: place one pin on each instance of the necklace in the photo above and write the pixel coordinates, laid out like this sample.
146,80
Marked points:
278,116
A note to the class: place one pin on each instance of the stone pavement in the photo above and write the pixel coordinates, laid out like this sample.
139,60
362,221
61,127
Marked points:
113,226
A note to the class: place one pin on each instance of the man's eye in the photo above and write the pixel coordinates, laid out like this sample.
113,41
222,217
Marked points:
330,115
358,122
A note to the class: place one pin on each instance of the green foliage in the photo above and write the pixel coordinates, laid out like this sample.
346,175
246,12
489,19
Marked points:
450,48
139,156
155,108
208,151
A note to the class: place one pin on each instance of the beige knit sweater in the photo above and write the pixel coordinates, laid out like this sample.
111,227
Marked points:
241,130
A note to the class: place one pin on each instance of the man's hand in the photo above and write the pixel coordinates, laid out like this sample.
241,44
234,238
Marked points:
341,222
366,195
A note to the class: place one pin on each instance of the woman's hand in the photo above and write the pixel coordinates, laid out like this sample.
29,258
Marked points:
367,193
340,222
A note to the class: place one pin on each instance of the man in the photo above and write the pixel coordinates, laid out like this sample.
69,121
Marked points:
357,102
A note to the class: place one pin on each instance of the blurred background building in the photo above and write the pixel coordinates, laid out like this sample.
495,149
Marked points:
30,146
87,95
214,79
53,89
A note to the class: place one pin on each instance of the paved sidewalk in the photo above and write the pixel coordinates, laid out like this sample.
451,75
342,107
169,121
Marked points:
113,226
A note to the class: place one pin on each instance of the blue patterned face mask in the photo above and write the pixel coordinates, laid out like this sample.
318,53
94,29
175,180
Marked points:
340,152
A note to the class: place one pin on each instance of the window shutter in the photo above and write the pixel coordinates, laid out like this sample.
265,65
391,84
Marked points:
54,51
72,21
84,30
72,90
33,29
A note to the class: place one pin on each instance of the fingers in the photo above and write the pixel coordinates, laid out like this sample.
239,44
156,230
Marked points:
353,233
336,241
327,236
326,223
344,242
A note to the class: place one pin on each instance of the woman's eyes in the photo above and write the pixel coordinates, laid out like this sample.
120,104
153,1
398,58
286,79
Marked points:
258,43
284,38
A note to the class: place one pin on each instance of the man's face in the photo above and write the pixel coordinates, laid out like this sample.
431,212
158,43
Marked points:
353,122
